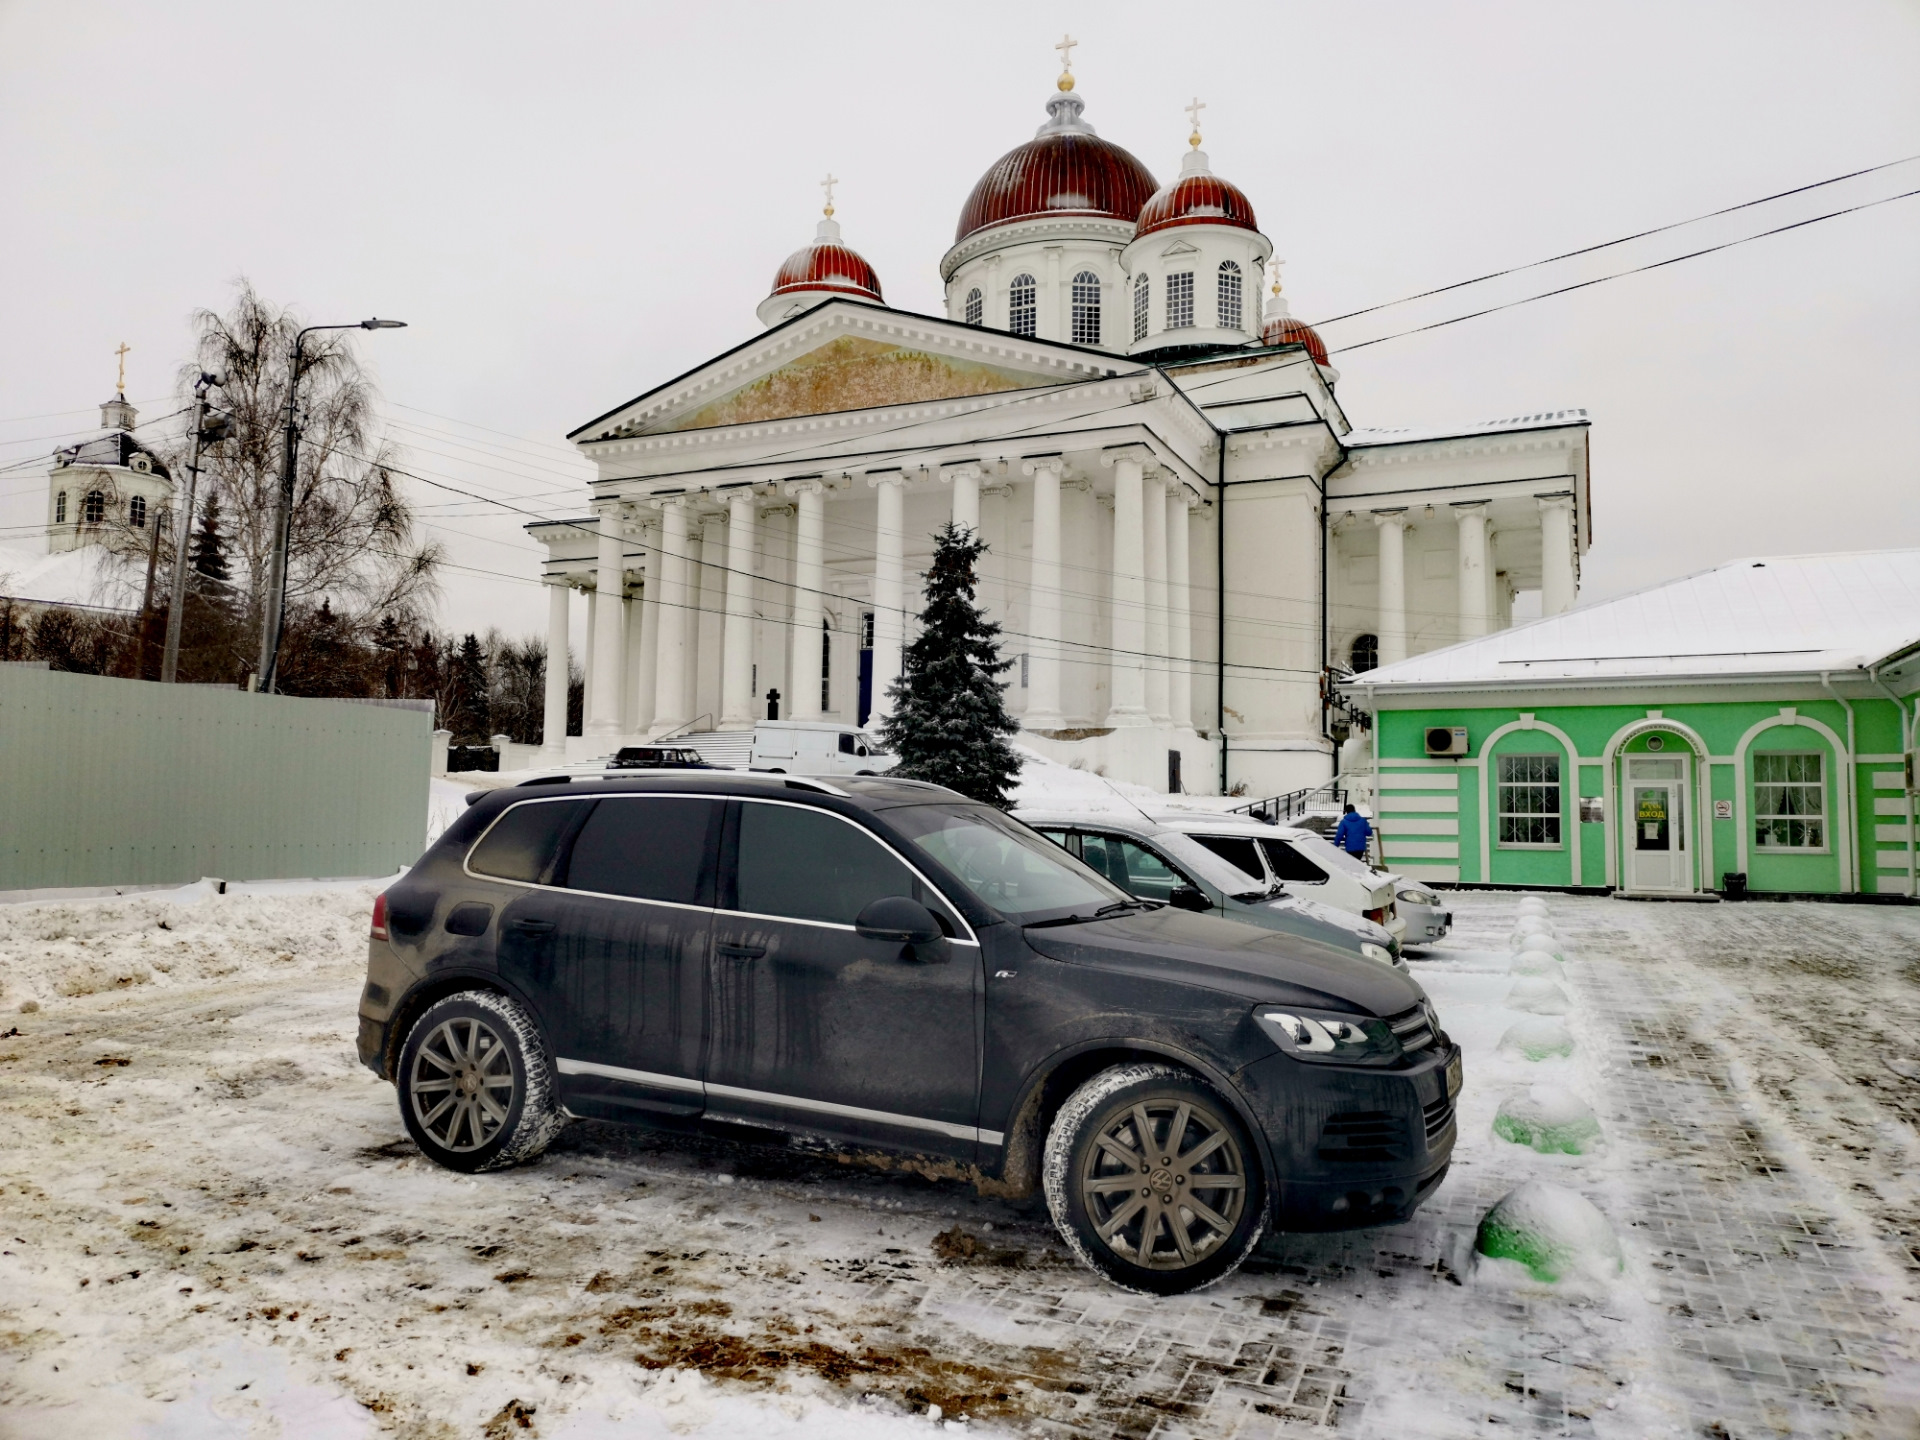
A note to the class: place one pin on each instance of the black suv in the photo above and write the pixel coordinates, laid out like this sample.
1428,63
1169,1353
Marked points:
882,964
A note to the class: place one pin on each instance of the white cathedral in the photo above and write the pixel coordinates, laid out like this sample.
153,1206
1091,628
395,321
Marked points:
1186,532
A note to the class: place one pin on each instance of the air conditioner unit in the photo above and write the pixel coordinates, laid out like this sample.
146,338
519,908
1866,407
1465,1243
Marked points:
1442,740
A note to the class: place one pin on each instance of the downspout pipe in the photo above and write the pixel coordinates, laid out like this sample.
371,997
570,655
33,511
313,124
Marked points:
1906,748
1220,603
1853,784
1326,686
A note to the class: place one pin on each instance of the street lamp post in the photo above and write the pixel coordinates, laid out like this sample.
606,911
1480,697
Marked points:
183,526
273,618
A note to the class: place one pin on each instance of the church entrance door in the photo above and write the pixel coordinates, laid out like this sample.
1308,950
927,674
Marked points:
1654,836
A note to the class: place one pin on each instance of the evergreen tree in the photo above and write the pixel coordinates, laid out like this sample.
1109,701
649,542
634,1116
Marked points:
950,723
468,713
207,552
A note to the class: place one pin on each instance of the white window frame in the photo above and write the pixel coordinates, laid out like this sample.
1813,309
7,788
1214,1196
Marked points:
974,308
1557,815
1025,282
1084,293
1179,300
1232,290
1142,298
1762,817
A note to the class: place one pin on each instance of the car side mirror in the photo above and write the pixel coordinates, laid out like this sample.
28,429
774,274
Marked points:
1189,897
898,919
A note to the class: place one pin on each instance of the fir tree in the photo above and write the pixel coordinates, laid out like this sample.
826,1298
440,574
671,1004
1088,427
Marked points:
949,723
207,552
468,712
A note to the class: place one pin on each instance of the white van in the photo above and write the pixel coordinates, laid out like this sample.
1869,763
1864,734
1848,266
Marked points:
816,747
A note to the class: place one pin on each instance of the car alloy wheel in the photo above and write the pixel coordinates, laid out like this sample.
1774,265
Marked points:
477,1091
462,1084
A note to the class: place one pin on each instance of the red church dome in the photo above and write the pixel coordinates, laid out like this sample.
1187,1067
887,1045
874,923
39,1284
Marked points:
827,265
1066,169
1197,199
1285,330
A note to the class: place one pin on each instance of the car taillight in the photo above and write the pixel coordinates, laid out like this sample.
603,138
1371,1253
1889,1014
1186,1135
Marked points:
1378,917
379,931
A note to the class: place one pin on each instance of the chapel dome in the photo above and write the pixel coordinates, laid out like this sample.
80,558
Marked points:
1198,197
1284,329
827,265
1066,169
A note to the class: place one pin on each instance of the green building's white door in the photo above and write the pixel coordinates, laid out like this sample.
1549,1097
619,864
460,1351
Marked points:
1655,835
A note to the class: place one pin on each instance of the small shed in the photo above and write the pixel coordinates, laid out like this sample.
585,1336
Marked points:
1749,727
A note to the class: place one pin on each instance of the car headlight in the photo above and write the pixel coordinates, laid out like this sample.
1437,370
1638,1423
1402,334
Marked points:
1320,1035
1419,897
1376,952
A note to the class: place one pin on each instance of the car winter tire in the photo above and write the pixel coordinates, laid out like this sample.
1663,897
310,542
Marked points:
476,1090
1153,1181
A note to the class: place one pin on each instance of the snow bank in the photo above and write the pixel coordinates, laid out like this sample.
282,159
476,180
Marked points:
1550,1119
1541,1038
1555,1233
1534,962
1538,995
1046,784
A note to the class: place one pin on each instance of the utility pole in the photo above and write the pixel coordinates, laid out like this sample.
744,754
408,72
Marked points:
183,528
273,610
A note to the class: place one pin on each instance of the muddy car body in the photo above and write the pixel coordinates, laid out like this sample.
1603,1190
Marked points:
880,965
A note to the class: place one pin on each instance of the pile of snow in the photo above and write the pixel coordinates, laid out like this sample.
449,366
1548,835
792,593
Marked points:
1533,962
1549,1119
1551,1232
1540,1038
174,937
1046,784
1539,996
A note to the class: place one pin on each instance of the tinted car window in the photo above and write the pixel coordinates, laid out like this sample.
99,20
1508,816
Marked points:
1289,864
521,843
1146,874
1239,851
651,847
1015,870
808,865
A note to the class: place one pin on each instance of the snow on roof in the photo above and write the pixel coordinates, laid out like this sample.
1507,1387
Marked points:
1407,435
90,575
1785,614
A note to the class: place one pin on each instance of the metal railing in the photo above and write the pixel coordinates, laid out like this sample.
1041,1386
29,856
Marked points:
1280,809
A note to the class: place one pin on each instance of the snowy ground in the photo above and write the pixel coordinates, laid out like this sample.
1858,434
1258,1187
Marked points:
212,1224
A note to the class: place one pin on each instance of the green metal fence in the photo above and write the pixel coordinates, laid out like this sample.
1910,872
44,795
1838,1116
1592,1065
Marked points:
125,782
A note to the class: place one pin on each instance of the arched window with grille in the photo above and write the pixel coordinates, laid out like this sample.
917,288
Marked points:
93,510
1023,306
976,306
60,508
1232,307
1180,301
1140,289
1086,308
1365,653
137,512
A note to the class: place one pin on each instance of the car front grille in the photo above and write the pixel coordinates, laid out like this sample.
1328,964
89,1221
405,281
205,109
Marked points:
1413,1028
1437,1117
1362,1135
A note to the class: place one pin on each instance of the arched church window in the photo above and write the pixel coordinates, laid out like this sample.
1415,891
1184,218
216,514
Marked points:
1023,306
1086,308
137,512
1231,307
976,306
1180,301
1365,653
1140,308
93,510
60,508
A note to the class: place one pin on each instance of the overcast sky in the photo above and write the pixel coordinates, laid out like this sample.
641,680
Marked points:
570,203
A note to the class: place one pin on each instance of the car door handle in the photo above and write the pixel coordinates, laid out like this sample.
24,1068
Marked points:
534,927
742,952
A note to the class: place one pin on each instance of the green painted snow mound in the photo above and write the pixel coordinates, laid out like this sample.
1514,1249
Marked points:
1554,1232
1539,996
1534,962
1549,1119
1540,1038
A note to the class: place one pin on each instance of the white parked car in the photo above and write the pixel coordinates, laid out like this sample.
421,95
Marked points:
816,747
1304,864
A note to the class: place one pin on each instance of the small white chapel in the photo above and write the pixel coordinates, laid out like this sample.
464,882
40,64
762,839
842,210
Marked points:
1188,537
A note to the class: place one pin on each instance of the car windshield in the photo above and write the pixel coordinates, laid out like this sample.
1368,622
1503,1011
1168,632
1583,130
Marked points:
1197,860
1016,871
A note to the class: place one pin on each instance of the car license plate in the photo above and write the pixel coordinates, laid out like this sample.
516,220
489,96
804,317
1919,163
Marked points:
1453,1077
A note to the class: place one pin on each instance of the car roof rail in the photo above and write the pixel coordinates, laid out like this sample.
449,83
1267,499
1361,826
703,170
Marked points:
544,780
819,786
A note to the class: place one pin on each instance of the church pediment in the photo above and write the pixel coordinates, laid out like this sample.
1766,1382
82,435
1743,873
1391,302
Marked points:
848,372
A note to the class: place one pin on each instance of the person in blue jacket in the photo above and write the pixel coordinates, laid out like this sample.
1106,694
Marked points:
1352,833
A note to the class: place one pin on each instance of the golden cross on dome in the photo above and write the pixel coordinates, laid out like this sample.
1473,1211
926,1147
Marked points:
1275,268
1066,48
1193,115
827,185
120,387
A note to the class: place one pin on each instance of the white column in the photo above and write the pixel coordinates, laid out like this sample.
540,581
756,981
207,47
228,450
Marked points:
647,678
670,680
809,577
553,731
1472,520
609,644
1557,583
889,599
1179,607
704,703
1043,601
1127,699
1153,517
1392,624
631,608
966,497
588,663
736,670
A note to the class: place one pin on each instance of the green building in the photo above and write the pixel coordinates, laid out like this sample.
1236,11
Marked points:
1754,720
